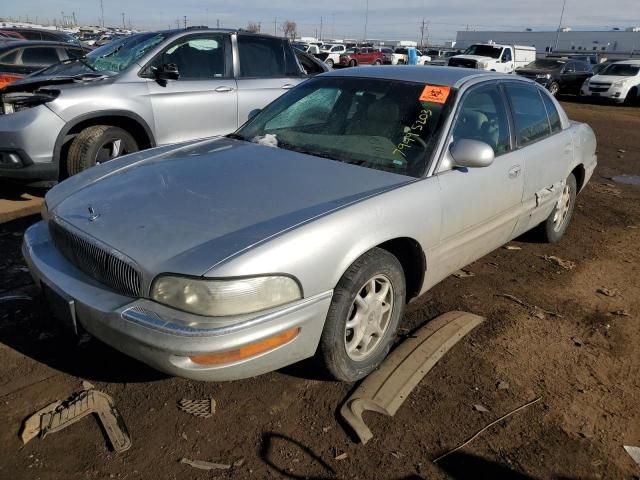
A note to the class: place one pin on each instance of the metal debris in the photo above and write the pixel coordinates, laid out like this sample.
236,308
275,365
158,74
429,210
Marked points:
59,415
607,292
198,408
385,389
480,408
202,465
566,264
621,313
634,452
512,247
463,274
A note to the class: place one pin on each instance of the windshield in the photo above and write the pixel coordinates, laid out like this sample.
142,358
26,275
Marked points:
484,51
380,124
545,65
621,70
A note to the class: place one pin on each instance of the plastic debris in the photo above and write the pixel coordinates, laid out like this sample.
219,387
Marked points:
342,456
59,415
480,408
566,264
463,274
512,247
634,452
198,408
202,465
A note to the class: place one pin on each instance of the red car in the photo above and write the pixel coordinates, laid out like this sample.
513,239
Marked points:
361,56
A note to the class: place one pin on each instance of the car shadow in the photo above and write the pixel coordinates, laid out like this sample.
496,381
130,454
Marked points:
17,192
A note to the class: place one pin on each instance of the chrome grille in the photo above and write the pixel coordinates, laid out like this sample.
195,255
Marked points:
97,262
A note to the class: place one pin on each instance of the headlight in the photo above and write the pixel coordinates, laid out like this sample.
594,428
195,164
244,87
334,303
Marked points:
482,65
217,298
14,102
543,75
619,83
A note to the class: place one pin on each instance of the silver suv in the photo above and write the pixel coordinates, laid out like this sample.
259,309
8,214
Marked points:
146,90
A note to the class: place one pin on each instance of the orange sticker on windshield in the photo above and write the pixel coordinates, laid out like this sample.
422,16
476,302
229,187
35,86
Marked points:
435,94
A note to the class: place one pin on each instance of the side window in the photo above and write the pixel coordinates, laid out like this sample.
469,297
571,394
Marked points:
9,57
483,116
75,52
201,57
40,56
506,56
552,113
529,114
261,57
570,67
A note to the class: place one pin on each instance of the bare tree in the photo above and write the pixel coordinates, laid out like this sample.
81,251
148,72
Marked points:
253,27
289,29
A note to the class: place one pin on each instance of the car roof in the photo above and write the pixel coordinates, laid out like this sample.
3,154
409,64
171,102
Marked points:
40,30
35,43
449,76
628,62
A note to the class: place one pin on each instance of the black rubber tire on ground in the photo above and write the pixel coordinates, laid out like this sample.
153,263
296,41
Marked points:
632,97
84,148
332,350
554,89
329,63
547,229
353,63
377,62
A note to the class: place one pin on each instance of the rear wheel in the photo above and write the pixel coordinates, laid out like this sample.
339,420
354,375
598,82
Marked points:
361,324
353,63
632,97
329,63
554,227
377,62
554,88
98,144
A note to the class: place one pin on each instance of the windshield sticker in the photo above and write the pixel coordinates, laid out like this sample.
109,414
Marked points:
435,94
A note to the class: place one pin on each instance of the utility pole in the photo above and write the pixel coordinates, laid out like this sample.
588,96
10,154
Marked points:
564,3
275,26
366,21
185,22
75,22
259,27
217,23
102,13
178,23
422,33
320,28
123,25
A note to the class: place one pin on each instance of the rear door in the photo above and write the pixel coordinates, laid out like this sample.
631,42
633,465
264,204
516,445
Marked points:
545,149
203,101
266,68
568,77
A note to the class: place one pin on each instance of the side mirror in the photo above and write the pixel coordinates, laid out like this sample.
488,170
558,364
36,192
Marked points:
253,113
168,71
471,153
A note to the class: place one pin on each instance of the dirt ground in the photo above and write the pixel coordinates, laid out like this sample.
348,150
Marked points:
584,363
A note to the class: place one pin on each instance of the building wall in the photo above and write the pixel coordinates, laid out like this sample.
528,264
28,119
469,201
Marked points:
613,42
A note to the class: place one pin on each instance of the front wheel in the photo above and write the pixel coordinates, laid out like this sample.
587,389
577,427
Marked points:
361,324
98,144
554,227
352,63
554,88
632,97
329,63
377,62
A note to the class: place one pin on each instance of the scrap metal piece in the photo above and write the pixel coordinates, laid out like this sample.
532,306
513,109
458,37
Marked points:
202,465
59,415
199,408
385,389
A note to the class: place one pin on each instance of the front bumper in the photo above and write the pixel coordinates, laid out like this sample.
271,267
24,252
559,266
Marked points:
28,137
161,336
615,94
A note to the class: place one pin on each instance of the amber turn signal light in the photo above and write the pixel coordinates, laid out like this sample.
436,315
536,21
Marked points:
7,78
246,351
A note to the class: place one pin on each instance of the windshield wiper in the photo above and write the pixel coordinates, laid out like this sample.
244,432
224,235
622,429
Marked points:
237,136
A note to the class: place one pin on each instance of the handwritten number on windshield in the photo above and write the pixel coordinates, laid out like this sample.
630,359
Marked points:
410,136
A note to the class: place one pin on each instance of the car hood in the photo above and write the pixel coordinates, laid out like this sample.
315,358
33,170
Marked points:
475,57
188,209
36,81
609,78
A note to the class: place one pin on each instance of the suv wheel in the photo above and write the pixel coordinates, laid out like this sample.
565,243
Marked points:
554,88
633,97
98,144
361,324
554,227
329,63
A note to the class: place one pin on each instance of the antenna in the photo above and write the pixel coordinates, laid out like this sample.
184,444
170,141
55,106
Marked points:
564,3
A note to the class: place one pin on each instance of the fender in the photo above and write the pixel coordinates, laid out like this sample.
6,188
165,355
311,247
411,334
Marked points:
94,115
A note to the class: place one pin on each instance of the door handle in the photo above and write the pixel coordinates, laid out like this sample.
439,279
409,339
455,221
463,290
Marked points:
223,89
287,86
514,171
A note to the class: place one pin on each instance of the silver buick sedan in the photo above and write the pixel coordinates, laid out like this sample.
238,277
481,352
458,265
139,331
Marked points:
308,230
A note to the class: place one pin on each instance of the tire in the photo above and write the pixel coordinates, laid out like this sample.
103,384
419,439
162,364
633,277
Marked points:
554,88
353,63
632,97
377,62
346,362
329,63
97,144
553,228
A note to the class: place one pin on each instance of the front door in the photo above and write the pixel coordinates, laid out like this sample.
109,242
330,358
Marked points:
480,206
203,101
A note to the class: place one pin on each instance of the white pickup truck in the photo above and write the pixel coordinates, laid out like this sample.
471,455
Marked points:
494,57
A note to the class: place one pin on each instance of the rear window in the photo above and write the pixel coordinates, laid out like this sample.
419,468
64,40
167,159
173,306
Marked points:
552,113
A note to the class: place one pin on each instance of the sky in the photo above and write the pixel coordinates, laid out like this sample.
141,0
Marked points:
341,19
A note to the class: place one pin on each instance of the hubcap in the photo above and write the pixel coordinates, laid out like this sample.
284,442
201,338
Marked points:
109,150
369,317
562,208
